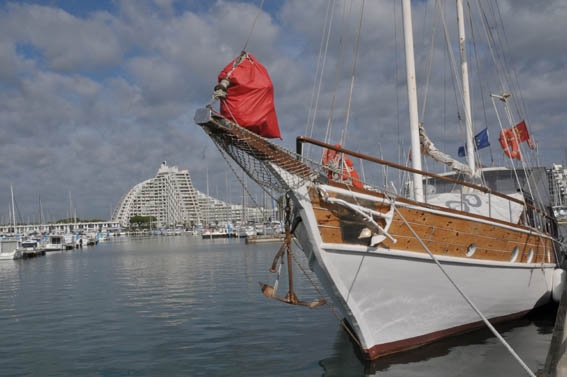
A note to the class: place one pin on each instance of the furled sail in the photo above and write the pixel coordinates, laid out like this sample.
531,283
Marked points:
431,150
247,96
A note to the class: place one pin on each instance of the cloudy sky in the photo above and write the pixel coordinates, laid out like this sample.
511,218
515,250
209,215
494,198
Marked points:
94,95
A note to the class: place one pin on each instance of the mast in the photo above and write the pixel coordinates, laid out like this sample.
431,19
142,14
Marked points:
208,202
466,91
13,209
412,100
41,217
70,212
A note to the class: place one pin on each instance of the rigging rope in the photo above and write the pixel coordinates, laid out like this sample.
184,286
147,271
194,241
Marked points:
315,90
338,69
453,62
481,86
321,64
501,61
223,154
428,69
245,187
253,25
353,75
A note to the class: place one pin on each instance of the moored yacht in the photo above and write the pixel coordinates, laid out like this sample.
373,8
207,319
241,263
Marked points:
9,250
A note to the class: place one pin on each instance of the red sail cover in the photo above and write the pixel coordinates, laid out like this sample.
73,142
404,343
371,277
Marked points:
250,98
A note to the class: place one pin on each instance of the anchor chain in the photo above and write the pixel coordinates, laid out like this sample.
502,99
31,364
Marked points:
285,248
291,297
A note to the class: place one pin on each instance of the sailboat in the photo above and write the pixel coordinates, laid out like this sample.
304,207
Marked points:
404,266
9,249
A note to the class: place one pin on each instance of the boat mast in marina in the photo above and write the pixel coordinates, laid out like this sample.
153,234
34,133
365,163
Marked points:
9,248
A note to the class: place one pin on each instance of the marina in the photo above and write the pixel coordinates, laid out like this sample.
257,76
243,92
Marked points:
179,306
283,188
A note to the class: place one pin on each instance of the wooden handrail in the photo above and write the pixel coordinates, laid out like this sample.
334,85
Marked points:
303,139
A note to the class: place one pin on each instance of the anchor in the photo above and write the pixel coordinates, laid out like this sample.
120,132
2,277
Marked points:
271,291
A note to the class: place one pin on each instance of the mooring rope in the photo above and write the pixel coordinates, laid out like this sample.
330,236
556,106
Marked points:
472,305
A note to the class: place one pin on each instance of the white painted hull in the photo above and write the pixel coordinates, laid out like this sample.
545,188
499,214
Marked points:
54,247
9,250
9,255
397,299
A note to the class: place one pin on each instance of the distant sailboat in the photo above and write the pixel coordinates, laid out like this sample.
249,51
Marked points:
9,248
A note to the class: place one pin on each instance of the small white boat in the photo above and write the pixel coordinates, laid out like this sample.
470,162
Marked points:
246,231
9,247
55,242
9,250
29,244
215,233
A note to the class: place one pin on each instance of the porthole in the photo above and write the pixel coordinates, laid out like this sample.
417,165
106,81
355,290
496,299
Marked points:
471,249
515,253
530,256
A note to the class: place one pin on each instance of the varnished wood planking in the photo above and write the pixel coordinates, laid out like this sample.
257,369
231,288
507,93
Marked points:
443,235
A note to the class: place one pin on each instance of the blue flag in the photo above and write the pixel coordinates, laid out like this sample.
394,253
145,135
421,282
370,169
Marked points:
480,141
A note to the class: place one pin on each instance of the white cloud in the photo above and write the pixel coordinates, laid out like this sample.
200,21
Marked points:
108,95
67,43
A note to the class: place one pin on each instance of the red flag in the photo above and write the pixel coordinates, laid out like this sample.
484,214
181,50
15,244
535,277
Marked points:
250,97
521,130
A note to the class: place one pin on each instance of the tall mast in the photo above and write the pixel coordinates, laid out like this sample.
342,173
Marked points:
412,100
208,202
466,91
13,208
41,217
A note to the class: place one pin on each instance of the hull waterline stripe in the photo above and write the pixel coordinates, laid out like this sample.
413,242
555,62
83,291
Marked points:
385,349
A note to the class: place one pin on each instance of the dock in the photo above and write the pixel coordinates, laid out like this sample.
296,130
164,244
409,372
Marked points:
265,238
556,361
26,254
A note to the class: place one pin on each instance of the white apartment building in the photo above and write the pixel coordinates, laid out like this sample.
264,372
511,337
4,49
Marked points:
171,198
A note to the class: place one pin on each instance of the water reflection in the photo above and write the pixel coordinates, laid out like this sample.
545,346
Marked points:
179,306
477,353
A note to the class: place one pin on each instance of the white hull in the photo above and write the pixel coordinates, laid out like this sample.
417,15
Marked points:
49,247
395,299
9,255
9,250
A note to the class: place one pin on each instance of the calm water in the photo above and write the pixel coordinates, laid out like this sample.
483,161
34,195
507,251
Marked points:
181,306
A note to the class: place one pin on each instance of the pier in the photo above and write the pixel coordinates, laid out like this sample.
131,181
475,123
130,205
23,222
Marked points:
27,254
556,361
101,226
265,238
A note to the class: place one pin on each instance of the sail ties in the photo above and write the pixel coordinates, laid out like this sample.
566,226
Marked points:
431,150
221,90
378,233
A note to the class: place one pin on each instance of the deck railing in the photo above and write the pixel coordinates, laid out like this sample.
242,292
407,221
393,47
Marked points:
532,216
